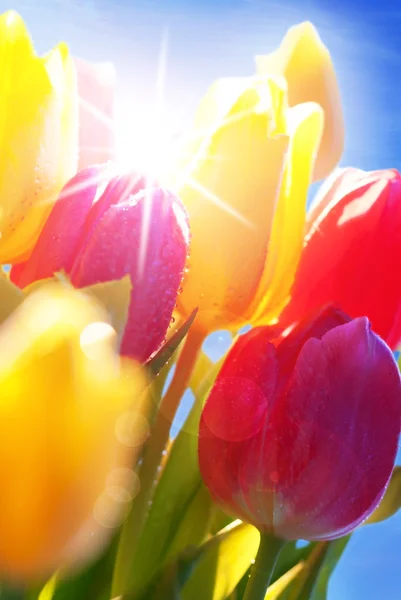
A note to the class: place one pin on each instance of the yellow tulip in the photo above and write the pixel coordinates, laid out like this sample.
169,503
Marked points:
305,62
39,135
245,189
68,418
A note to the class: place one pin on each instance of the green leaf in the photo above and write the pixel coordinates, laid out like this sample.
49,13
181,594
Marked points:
277,588
222,563
165,353
49,589
177,502
115,296
194,524
9,593
220,520
11,298
92,582
176,490
391,501
312,581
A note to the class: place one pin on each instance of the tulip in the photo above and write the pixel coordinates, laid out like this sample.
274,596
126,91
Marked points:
64,396
245,191
353,233
39,141
105,226
305,62
299,434
96,84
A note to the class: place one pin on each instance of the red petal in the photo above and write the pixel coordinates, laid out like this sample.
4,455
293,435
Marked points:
348,259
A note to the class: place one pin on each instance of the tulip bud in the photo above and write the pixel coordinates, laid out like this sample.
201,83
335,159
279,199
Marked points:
299,434
305,62
353,233
244,181
104,227
64,396
39,142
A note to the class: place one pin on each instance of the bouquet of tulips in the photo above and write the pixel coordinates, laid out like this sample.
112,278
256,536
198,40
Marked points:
113,279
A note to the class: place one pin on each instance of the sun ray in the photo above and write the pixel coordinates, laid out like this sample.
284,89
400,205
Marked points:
99,149
145,228
100,178
98,114
202,150
209,195
162,69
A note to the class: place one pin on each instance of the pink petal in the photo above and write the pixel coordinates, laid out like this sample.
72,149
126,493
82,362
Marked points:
96,89
338,427
60,237
121,244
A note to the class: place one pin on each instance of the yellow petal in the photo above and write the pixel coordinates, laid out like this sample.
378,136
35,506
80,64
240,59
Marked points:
230,190
15,49
62,389
305,62
114,296
305,127
62,73
38,136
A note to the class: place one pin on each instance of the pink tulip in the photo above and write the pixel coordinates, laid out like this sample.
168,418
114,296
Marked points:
105,226
299,434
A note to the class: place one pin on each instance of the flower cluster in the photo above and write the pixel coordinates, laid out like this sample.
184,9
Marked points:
112,277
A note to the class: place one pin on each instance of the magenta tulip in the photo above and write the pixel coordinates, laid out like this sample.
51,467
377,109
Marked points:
104,227
299,434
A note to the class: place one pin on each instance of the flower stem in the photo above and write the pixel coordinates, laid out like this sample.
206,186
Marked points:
151,460
262,570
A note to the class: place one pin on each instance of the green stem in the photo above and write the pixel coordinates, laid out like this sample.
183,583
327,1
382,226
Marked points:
152,457
262,570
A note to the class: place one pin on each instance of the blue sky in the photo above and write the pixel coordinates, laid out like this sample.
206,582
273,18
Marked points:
207,40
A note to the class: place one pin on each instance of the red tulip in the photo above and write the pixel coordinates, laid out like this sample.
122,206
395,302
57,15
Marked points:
96,84
102,228
349,259
299,435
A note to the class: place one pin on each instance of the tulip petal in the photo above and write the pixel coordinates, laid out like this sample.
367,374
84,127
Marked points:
61,447
339,183
305,62
338,430
35,127
219,463
231,168
347,259
305,123
115,248
96,84
58,243
234,412
61,70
